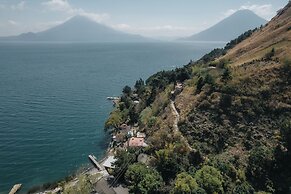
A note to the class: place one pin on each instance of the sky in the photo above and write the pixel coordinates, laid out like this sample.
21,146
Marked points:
151,18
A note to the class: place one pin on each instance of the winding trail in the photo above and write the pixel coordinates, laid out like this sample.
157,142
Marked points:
176,116
175,124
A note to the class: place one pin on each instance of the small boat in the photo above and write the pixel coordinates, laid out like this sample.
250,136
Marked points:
113,98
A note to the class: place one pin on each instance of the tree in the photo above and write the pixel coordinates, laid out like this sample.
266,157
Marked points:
139,86
287,70
182,74
114,120
185,183
126,101
259,168
200,84
286,132
143,179
209,79
171,162
133,115
225,101
210,179
244,188
124,159
126,90
226,75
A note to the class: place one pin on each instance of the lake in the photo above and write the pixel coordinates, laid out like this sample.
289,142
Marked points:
53,101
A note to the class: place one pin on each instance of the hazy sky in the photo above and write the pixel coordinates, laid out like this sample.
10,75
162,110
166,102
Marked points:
145,17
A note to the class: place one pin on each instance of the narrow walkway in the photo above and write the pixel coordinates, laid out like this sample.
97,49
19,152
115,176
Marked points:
176,116
175,124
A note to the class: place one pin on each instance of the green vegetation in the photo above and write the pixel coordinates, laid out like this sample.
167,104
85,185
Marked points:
124,160
239,39
143,179
83,185
233,134
185,183
269,55
209,179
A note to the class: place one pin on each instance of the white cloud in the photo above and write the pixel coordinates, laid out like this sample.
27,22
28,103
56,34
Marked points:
19,6
59,5
151,28
65,7
266,11
12,22
96,17
14,7
122,27
153,31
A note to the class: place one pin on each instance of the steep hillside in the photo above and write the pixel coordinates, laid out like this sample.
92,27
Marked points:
230,27
276,33
218,125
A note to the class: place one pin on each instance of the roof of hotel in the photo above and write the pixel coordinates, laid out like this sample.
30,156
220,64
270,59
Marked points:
137,142
109,162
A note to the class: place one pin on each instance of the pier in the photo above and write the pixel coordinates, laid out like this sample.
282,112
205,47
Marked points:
15,189
93,159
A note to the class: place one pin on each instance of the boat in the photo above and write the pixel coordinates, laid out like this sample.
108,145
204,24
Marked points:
113,98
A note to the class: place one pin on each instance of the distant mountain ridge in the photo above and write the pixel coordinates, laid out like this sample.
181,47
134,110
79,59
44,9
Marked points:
78,29
230,27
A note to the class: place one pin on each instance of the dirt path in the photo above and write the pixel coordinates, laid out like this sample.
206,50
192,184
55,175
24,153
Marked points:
176,116
175,124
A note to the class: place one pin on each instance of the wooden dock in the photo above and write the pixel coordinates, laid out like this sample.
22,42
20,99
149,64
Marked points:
15,189
93,159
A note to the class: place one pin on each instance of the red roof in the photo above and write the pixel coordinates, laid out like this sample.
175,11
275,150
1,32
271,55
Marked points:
136,142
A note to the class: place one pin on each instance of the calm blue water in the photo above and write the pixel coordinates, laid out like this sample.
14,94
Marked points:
53,101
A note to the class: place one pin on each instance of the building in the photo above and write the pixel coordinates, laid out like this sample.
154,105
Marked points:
109,162
124,127
136,142
140,135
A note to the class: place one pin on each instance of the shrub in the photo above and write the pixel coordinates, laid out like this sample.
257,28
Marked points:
286,132
185,183
209,79
200,84
225,101
269,55
259,167
287,70
145,115
82,186
244,188
239,39
124,159
215,53
115,120
210,179
170,162
226,75
126,90
143,179
152,121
